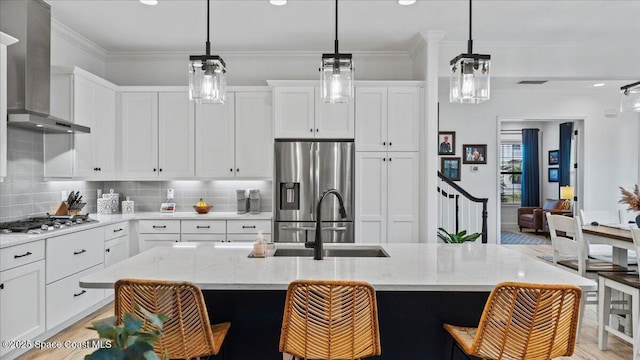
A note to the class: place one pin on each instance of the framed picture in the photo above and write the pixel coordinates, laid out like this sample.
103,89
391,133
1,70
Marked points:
553,174
474,154
450,167
554,157
446,143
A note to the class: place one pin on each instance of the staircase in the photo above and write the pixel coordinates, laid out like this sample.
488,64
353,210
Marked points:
458,210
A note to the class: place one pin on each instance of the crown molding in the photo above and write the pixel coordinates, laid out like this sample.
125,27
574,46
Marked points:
78,40
531,44
114,56
417,44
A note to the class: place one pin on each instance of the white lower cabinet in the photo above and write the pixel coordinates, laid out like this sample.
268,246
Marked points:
74,252
203,230
387,197
247,230
22,302
152,233
65,297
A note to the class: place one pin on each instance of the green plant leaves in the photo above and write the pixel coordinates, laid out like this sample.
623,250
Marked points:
458,238
106,354
132,322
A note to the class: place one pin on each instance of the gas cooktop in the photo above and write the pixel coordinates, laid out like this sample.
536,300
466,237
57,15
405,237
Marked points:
40,224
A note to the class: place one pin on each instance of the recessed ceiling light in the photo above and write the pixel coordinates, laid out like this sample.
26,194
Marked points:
406,2
598,85
278,2
149,2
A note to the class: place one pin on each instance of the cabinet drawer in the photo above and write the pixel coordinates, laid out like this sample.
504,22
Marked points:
116,230
75,252
248,226
65,298
204,227
203,237
21,254
159,226
246,237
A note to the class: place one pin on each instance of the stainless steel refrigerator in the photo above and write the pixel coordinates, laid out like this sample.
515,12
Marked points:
303,171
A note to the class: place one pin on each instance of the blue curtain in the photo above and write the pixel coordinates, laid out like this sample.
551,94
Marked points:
564,179
530,168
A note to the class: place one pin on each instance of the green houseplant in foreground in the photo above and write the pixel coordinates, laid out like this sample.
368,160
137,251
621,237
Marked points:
457,238
127,341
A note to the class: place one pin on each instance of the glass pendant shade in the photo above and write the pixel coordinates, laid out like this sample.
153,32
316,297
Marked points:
336,78
470,79
630,101
207,80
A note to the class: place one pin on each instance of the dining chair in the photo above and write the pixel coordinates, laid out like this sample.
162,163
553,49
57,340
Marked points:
571,252
628,284
187,334
330,319
599,216
523,321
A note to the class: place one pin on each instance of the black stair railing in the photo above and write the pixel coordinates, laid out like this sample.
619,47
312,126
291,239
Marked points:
454,195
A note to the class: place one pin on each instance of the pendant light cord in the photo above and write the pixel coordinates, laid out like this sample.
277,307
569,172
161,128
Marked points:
470,42
208,52
336,42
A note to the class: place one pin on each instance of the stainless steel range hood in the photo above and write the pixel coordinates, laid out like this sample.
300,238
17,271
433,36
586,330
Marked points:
29,68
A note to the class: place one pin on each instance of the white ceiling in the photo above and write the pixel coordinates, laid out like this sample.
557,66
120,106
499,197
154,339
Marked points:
365,25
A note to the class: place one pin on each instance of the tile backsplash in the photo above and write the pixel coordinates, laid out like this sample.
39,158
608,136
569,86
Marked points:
25,193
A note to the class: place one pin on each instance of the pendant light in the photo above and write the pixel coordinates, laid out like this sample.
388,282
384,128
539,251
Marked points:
207,80
469,75
630,101
336,74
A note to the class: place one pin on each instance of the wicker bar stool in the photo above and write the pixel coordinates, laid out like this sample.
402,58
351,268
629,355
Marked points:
187,334
329,319
523,321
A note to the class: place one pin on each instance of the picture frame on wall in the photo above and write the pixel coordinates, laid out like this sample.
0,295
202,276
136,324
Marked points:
446,143
554,174
450,168
554,157
474,153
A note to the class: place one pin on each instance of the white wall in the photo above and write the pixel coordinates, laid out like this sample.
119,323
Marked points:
610,144
69,48
250,69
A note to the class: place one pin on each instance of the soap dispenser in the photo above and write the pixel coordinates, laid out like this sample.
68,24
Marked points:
260,246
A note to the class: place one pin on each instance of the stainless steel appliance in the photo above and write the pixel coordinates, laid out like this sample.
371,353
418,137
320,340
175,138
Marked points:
303,171
41,224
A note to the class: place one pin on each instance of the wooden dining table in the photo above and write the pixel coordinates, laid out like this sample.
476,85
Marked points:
619,239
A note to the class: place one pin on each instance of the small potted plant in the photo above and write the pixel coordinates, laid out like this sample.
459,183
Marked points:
632,199
127,341
457,238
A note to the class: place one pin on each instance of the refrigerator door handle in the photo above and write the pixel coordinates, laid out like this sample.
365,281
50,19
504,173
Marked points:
298,228
312,179
337,228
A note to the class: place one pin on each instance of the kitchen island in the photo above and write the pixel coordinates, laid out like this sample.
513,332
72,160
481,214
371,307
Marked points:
419,286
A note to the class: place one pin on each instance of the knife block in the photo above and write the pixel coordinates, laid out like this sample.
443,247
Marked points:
63,209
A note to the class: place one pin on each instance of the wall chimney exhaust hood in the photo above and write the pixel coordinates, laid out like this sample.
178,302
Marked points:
29,67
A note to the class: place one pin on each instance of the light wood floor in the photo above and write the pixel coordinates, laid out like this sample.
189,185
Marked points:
587,349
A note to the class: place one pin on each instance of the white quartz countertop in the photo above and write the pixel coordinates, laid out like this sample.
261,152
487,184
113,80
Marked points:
7,240
410,267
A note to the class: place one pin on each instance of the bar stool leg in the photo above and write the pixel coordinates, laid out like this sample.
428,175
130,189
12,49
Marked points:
604,312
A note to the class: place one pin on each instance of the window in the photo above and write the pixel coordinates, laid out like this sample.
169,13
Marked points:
510,173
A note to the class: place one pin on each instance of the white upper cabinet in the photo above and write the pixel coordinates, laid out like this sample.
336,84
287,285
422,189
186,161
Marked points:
85,99
158,135
387,118
301,113
234,139
215,139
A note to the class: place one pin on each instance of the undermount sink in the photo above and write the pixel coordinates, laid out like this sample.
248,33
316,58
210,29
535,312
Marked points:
369,251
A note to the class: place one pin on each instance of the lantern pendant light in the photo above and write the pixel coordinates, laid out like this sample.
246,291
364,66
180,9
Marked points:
336,74
630,101
207,75
469,75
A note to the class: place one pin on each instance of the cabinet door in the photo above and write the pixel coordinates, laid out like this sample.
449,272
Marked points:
176,133
22,303
254,135
294,112
371,197
215,139
84,98
116,250
371,119
333,121
403,114
103,133
140,135
402,197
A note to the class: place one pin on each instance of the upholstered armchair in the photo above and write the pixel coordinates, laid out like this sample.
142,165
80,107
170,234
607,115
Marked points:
535,218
